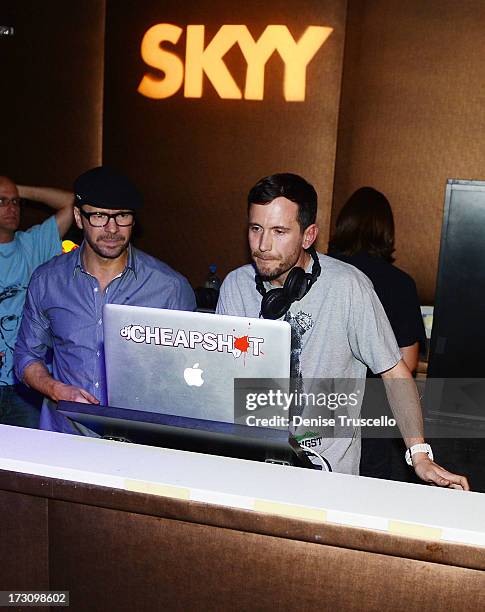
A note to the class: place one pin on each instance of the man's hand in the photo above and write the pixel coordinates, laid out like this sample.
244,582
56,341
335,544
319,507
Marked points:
37,376
70,393
404,400
434,474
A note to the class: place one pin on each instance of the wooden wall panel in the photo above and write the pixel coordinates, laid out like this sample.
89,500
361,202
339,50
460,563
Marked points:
51,102
113,549
124,561
412,115
24,557
195,159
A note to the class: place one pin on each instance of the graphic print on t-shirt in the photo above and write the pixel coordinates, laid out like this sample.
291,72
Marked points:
9,324
300,323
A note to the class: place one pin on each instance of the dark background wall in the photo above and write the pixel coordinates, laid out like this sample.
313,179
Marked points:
411,114
196,159
52,91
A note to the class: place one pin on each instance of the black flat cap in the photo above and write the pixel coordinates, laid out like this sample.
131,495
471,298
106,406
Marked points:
103,187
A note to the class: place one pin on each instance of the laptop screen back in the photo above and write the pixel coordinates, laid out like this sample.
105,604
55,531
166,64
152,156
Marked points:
184,363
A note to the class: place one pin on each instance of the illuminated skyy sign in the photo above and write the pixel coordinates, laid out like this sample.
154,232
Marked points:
207,59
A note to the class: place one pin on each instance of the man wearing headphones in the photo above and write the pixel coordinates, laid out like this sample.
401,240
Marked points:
339,327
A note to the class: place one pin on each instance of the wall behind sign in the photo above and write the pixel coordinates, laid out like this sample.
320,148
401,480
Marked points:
195,159
412,115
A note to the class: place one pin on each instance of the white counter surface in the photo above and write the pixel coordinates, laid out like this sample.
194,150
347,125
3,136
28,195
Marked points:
414,510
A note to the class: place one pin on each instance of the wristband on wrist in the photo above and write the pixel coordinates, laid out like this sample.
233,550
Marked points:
418,448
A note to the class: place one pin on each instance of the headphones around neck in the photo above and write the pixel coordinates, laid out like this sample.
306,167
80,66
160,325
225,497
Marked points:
276,302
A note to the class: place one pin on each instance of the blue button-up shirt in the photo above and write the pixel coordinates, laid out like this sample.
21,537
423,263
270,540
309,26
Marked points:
63,313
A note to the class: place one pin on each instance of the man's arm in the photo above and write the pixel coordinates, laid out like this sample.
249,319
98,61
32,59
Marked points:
33,341
58,199
184,298
37,376
410,356
404,401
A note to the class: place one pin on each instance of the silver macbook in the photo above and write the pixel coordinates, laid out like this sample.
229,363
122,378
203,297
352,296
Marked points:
185,363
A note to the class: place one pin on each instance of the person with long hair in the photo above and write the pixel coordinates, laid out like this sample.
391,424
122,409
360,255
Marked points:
364,238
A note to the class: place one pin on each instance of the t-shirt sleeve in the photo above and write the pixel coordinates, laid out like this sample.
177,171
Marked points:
43,241
370,334
407,321
230,300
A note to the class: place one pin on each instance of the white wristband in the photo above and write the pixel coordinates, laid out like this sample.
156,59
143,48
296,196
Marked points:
418,448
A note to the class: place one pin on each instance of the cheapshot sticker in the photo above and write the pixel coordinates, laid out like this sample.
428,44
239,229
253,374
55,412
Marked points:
223,343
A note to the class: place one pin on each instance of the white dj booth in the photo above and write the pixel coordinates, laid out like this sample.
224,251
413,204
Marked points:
125,526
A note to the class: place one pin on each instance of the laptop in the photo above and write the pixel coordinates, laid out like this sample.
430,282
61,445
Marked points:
184,363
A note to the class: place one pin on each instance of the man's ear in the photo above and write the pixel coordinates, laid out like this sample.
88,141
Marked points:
310,235
77,217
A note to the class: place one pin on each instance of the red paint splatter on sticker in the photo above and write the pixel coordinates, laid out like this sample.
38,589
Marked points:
241,344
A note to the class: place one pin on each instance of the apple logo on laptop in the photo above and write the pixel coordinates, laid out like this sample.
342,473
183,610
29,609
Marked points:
193,376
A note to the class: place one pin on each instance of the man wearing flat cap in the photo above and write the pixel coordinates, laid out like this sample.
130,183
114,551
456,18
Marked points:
65,298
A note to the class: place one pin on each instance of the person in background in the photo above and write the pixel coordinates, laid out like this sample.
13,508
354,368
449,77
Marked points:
65,298
364,238
20,253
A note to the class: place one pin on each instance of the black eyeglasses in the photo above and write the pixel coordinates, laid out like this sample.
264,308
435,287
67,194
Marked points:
97,219
13,201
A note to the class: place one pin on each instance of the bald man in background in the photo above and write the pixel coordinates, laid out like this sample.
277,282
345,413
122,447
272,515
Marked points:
20,254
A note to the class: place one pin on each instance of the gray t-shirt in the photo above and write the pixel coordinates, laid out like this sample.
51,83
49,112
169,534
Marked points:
338,330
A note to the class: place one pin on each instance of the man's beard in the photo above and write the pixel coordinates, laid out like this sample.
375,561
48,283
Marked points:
284,266
112,253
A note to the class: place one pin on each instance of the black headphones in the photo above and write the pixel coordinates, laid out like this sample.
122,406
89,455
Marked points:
276,302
